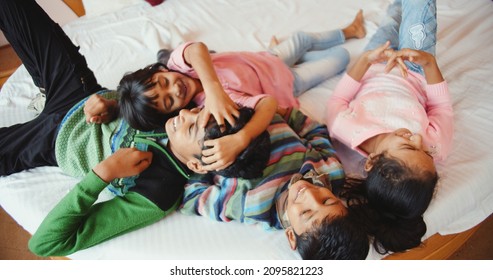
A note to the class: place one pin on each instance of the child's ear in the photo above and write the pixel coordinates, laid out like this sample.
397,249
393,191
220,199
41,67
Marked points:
369,162
291,237
196,166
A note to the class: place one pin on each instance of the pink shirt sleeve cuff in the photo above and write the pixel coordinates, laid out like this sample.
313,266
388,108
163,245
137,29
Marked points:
347,87
438,94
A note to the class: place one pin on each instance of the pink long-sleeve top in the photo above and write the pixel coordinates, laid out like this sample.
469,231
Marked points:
244,75
381,103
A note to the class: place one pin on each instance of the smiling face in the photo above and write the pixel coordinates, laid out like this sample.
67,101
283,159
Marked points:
173,90
307,206
402,144
186,136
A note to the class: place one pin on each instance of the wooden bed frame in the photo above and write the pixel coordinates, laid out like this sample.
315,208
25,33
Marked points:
437,247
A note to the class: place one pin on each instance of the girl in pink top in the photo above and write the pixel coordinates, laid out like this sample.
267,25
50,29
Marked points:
398,115
261,80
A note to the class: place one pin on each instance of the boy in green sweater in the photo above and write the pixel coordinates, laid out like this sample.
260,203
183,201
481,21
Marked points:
144,170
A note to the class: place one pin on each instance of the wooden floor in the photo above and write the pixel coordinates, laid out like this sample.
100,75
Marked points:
9,62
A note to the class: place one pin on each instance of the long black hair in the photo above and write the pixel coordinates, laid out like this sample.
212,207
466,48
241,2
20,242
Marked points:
391,202
334,238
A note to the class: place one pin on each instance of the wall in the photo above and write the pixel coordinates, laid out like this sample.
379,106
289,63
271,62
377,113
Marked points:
57,10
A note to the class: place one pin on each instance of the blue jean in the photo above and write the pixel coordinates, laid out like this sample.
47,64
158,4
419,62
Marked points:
312,57
409,24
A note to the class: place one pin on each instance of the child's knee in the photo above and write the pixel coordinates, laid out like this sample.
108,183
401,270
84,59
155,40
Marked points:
343,55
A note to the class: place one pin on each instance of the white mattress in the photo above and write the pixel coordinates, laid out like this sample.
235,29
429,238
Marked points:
129,39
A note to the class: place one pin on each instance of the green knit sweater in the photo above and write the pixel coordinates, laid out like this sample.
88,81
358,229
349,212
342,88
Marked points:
77,222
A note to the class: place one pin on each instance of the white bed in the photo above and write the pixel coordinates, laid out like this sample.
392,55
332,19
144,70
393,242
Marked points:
127,39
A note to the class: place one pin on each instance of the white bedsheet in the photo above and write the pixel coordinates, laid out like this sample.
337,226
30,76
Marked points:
129,39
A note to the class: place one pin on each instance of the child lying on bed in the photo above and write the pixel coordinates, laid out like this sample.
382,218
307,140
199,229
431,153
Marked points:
316,222
401,124
293,66
60,135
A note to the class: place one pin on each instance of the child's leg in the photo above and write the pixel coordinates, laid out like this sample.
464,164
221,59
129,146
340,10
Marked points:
55,64
418,28
291,50
317,66
50,57
28,145
389,28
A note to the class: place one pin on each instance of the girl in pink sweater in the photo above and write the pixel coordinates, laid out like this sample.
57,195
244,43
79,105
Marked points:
398,115
219,81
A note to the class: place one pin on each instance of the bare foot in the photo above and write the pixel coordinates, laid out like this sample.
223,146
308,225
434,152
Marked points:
357,28
273,42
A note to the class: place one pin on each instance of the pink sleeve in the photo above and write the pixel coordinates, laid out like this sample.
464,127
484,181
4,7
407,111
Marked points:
177,59
246,100
441,119
339,101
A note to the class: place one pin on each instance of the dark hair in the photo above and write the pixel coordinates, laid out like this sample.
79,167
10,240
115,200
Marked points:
252,161
339,238
135,107
391,202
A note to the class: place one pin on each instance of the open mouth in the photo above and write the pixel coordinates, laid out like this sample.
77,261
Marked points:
183,90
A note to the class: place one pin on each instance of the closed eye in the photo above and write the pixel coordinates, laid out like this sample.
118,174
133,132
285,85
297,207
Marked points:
329,201
410,147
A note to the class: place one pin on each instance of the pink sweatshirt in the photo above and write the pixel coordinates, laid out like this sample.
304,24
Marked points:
382,103
244,75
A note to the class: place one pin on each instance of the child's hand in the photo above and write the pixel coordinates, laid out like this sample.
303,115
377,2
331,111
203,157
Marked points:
416,56
382,54
222,153
379,54
123,163
98,109
421,58
426,60
220,105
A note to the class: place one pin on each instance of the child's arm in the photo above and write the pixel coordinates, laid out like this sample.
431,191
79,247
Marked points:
217,102
224,150
77,222
368,58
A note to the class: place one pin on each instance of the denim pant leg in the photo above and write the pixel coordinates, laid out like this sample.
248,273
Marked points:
318,66
296,46
418,28
388,29
312,57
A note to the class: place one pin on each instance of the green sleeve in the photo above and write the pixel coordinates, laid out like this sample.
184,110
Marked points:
77,223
